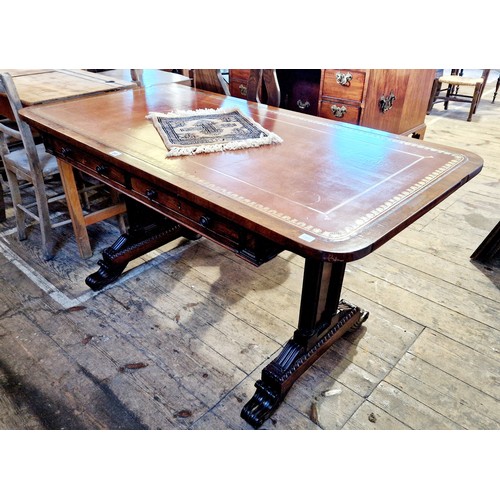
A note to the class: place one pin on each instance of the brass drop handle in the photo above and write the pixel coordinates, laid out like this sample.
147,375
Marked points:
243,89
338,112
151,194
344,79
303,104
385,103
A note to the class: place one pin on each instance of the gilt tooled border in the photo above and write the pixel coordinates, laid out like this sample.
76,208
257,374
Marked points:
350,230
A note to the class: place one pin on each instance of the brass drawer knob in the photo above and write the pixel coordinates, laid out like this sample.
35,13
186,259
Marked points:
344,79
243,89
338,111
151,194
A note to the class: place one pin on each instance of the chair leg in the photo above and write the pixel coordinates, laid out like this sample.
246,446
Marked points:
478,92
75,209
15,195
43,215
449,91
2,203
84,197
115,198
496,90
475,101
436,88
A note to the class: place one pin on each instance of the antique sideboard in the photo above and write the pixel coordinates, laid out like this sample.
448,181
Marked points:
393,100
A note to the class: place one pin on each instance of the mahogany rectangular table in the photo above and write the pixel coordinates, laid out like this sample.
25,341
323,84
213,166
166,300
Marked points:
329,192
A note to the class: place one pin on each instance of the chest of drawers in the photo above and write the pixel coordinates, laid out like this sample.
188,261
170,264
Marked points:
393,100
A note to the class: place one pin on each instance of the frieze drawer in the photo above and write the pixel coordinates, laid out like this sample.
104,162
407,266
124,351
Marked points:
180,209
344,84
238,82
340,111
92,165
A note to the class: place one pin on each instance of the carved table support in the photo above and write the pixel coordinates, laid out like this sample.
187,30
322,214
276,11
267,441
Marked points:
323,319
489,248
139,240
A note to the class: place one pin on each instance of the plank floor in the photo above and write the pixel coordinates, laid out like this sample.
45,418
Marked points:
180,340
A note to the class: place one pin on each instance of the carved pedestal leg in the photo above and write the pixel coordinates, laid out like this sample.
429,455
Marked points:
489,248
323,319
148,231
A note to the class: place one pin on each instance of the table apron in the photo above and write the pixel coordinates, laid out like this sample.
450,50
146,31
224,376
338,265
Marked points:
249,245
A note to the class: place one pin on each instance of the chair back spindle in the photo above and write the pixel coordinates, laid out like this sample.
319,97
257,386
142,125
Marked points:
261,79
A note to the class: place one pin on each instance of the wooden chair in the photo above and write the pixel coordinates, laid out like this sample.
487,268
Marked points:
455,81
32,164
263,86
2,202
3,180
210,80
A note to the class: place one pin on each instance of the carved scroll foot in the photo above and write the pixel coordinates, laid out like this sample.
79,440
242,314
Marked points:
262,405
295,358
131,245
105,275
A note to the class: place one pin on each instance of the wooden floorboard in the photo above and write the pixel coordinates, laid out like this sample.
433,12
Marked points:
180,340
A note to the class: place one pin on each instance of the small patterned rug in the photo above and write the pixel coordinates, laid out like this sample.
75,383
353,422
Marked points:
210,130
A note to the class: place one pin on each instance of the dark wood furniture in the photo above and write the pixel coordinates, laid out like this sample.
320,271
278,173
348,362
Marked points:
394,100
489,247
330,192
